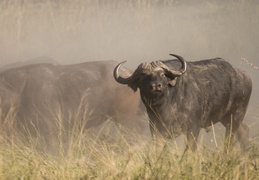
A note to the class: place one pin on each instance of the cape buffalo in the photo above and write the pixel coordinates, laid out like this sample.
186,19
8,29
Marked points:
182,97
38,60
46,98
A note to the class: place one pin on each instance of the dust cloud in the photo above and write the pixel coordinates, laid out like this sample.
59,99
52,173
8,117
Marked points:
73,31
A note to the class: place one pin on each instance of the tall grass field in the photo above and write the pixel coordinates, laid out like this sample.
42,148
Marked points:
73,31
124,155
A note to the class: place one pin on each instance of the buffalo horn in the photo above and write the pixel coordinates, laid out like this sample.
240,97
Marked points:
184,66
117,77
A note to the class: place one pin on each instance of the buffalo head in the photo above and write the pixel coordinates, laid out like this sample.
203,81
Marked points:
153,79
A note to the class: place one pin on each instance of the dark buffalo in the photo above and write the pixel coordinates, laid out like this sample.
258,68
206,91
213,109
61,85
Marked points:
183,97
46,98
38,60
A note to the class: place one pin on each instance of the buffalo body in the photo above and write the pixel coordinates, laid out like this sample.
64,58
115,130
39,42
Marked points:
182,97
47,98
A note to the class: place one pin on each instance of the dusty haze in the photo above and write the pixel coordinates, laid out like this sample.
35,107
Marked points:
73,31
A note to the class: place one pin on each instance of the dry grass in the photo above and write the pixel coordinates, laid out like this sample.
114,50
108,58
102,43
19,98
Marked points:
250,64
120,157
114,152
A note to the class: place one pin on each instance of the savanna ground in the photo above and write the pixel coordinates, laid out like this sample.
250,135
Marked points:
134,30
113,152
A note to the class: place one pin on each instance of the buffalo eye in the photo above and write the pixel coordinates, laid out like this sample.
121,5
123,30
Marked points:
162,75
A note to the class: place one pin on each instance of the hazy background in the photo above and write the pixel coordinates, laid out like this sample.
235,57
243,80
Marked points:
73,31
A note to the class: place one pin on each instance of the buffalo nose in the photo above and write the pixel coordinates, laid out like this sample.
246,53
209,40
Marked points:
155,86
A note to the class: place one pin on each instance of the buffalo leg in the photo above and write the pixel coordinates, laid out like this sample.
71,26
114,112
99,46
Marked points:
159,140
243,136
192,138
229,139
235,128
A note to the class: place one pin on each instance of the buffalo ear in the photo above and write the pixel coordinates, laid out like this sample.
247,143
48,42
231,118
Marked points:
133,84
133,87
172,82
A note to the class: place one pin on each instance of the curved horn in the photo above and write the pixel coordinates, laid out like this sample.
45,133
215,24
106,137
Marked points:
117,77
184,65
175,73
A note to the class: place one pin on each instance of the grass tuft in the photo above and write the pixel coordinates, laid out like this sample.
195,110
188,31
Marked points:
124,156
